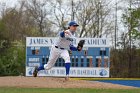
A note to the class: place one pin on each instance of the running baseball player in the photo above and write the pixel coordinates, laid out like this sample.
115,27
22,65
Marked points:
60,49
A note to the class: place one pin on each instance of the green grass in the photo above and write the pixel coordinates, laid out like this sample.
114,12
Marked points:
67,90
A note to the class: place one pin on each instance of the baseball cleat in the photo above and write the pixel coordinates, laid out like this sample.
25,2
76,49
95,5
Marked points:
67,78
35,72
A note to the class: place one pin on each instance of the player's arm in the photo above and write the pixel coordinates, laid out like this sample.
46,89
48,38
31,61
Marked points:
73,48
79,46
63,33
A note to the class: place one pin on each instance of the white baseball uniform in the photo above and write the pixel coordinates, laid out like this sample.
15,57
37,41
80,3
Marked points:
60,49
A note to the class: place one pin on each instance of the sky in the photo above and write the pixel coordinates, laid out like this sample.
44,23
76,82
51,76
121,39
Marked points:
8,2
12,3
121,4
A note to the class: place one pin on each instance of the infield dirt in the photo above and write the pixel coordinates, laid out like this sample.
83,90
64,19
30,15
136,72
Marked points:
53,82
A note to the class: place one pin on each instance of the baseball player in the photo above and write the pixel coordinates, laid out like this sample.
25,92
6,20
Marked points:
60,49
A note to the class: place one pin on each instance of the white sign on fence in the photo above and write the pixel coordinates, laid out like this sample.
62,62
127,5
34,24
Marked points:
49,41
74,72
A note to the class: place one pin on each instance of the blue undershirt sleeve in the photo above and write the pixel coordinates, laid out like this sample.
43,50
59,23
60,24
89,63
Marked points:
62,34
73,48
